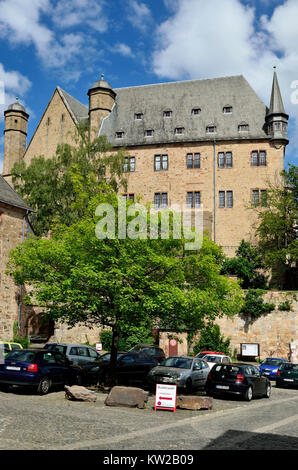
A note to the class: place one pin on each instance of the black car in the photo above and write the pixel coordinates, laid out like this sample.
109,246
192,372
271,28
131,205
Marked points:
38,368
131,367
287,375
151,350
240,379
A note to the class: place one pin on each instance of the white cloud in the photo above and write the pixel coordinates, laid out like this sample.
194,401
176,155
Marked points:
46,24
219,38
123,49
139,15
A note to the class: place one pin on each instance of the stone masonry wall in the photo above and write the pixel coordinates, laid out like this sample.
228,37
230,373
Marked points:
273,331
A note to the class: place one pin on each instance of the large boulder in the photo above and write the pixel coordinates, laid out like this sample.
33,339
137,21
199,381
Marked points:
192,402
131,397
78,393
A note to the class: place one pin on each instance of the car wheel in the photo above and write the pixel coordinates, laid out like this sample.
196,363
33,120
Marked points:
188,386
44,386
4,387
109,381
268,391
248,394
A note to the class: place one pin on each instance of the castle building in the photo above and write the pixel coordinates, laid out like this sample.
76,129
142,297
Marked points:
210,142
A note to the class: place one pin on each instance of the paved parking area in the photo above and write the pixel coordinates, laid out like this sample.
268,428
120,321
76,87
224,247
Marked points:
29,421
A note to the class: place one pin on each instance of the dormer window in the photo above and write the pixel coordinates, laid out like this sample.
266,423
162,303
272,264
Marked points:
119,135
149,133
138,116
227,109
211,129
196,111
167,113
243,127
179,130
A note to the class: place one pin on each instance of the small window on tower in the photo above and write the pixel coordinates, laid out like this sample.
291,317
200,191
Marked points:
48,121
227,109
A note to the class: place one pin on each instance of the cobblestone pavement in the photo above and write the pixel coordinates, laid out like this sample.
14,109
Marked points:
29,421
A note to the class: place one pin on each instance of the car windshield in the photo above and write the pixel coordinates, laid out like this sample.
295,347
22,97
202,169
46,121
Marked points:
292,367
56,347
227,370
201,355
179,362
21,356
212,358
106,357
272,362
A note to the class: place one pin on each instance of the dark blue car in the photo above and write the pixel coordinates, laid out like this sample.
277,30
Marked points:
38,368
270,366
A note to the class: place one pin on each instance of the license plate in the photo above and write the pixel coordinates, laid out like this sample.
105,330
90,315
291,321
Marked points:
12,368
166,379
222,387
289,380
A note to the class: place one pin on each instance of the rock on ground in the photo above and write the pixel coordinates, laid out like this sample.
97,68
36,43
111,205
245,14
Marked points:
78,393
193,402
131,397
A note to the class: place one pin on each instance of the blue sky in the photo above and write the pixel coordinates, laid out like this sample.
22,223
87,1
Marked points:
45,43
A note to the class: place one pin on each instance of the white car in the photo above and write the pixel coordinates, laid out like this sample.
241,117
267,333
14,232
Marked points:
213,359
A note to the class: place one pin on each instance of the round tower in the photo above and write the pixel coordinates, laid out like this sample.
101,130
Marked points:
101,101
276,118
15,135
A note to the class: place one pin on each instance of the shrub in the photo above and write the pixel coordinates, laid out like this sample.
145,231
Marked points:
212,340
285,306
254,303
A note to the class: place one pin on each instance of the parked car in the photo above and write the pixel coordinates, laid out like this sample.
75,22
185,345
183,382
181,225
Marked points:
130,367
151,350
270,366
10,346
237,379
76,353
201,354
186,372
39,368
287,375
216,358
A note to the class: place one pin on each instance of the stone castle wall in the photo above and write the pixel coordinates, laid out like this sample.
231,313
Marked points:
273,331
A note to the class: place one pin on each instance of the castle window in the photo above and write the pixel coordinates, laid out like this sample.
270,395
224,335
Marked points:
62,117
167,113
129,164
15,121
130,197
179,130
160,200
277,126
138,116
211,129
193,160
48,121
225,160
161,162
193,199
196,111
149,133
225,199
227,110
243,128
119,135
258,196
258,158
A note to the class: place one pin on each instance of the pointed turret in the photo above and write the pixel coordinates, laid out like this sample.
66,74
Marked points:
277,119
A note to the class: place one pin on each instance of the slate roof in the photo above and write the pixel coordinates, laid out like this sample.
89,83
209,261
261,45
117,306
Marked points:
210,95
77,109
276,102
10,197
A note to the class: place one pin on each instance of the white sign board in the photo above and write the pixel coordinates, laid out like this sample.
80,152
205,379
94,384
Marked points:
250,349
98,346
166,397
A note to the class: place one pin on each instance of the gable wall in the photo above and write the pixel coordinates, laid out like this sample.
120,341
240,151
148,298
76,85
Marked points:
48,136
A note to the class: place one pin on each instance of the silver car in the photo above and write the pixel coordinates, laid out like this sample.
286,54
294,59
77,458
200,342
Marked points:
187,373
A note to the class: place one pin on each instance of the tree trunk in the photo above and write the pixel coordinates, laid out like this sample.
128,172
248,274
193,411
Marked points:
113,360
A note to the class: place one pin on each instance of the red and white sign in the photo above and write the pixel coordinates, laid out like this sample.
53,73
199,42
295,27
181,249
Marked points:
98,346
166,397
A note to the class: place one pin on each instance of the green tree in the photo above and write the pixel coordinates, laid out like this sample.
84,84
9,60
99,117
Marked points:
50,186
277,229
123,283
211,339
246,266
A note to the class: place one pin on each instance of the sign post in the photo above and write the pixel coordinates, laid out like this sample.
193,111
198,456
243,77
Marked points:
166,397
